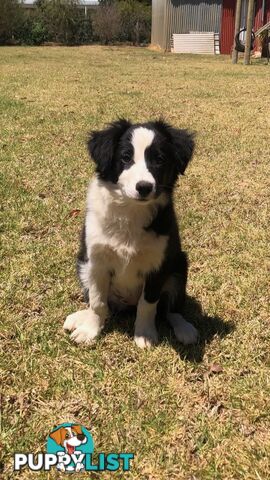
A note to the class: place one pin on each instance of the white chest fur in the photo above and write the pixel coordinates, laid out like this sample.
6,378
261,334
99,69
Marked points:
116,236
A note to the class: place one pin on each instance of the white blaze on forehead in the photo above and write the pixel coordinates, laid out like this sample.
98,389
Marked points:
141,139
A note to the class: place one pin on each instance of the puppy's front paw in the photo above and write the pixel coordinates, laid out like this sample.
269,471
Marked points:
85,334
85,326
146,338
74,320
184,331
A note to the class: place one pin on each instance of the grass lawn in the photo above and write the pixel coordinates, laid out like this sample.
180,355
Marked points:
187,413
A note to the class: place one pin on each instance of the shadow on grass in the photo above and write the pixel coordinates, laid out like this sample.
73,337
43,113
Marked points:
209,327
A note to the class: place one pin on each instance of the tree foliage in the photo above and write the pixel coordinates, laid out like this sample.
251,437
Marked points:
11,16
135,21
63,21
107,22
61,18
124,20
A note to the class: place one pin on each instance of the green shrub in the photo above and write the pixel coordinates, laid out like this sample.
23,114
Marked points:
31,31
62,21
135,21
39,32
124,20
65,22
11,17
84,33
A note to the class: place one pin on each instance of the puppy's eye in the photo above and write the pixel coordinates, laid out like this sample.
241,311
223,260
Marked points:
126,160
159,160
67,435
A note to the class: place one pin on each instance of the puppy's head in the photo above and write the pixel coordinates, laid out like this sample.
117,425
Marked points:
141,161
69,437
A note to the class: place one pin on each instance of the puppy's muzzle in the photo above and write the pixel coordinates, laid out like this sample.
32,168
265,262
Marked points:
144,189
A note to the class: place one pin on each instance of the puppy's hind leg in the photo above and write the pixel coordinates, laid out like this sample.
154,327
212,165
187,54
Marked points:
184,331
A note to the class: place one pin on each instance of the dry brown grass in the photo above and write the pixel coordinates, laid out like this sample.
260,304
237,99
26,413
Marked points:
182,420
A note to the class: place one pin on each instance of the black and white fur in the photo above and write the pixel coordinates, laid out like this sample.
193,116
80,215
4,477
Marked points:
130,250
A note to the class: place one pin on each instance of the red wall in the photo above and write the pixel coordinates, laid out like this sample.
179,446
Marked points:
227,22
227,26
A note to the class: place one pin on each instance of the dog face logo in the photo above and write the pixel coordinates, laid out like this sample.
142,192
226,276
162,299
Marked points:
70,442
69,437
70,449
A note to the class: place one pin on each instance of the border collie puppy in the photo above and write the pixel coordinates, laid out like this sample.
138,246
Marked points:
130,248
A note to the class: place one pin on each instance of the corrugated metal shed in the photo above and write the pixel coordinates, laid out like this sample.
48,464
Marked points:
183,16
158,23
203,43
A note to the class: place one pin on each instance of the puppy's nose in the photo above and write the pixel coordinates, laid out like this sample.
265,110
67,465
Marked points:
144,188
81,436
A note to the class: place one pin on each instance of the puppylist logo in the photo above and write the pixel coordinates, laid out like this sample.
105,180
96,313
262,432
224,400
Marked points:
70,449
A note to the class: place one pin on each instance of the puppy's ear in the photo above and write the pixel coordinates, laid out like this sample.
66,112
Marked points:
102,145
77,429
183,145
57,435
